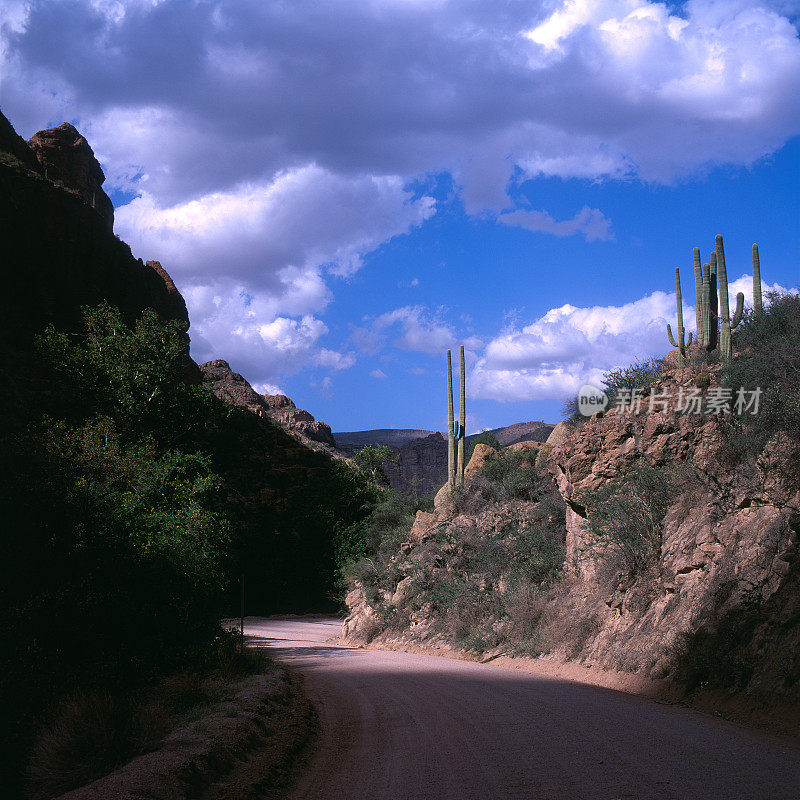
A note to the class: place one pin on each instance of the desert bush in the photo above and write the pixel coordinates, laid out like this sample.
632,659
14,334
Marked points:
514,475
767,356
638,375
570,412
625,516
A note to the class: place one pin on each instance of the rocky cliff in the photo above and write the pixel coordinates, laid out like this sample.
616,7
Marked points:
57,244
727,573
66,158
230,385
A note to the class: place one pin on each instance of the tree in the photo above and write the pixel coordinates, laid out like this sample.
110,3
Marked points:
372,457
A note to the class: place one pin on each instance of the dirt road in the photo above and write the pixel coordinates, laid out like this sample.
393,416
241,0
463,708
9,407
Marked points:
397,726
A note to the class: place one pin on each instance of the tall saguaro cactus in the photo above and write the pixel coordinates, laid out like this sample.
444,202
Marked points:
757,304
455,430
698,296
714,324
451,440
726,323
682,343
462,420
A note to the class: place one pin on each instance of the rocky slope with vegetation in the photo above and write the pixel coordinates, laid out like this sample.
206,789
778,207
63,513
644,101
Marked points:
655,542
230,385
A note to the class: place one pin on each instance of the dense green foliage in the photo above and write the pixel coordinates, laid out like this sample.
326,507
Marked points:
133,501
373,457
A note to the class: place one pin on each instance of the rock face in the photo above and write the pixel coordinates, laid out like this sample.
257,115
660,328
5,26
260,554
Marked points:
230,385
421,466
60,252
66,156
729,572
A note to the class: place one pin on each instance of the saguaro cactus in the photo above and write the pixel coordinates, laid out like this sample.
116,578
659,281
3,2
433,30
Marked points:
726,324
714,325
682,343
455,430
698,296
451,440
462,420
757,304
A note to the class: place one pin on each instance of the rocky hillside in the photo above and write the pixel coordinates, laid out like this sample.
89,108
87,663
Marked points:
57,236
230,385
420,465
660,543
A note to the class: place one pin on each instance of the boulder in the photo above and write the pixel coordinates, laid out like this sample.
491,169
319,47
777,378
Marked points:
479,456
423,522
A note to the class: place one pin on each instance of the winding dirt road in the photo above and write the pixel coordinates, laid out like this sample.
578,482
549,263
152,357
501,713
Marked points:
397,726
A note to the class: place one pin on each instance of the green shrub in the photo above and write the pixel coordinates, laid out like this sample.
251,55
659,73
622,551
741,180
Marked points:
625,516
638,375
767,356
513,475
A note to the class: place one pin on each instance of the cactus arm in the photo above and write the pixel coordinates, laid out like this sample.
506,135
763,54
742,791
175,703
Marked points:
757,303
670,336
737,316
450,424
698,294
679,298
462,420
689,340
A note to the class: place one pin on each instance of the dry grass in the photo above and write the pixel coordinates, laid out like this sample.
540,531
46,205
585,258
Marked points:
93,733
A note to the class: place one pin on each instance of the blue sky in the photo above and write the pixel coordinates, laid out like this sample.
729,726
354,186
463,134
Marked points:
341,191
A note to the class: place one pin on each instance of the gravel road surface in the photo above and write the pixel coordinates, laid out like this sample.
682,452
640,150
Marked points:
411,727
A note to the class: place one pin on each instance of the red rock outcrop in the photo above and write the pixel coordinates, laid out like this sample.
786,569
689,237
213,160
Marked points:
66,156
58,252
230,385
728,567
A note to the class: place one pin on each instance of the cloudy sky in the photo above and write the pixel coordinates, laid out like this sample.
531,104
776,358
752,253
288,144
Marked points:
343,190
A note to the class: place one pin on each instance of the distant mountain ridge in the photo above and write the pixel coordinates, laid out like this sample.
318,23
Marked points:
397,437
421,464
391,437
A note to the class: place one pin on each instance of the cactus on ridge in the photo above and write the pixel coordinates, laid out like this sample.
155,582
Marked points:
757,302
682,342
462,421
726,323
455,430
